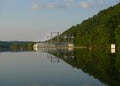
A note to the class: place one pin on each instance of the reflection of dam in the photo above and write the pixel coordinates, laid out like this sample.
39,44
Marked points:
46,45
48,49
54,54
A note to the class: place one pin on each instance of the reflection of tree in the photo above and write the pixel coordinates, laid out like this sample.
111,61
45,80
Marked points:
103,66
117,61
99,64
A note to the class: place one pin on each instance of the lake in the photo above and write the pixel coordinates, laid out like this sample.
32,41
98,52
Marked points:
59,67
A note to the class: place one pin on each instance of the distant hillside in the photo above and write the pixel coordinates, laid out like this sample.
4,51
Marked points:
15,45
99,31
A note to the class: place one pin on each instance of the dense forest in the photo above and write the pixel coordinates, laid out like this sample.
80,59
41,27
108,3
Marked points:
99,31
15,45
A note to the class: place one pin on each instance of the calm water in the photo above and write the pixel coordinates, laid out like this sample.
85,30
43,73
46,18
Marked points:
51,68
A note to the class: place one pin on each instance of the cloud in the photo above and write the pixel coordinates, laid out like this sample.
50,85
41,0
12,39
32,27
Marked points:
84,4
70,0
35,6
69,4
55,5
52,5
92,3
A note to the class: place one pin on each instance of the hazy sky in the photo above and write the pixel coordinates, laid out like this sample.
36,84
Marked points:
33,20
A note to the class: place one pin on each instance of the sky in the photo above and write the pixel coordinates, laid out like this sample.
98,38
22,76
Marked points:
34,20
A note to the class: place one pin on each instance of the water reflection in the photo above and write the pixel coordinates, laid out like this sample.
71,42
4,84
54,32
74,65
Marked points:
60,67
54,58
15,50
35,68
100,64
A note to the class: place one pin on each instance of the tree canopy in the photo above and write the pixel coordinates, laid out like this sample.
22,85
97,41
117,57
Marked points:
99,31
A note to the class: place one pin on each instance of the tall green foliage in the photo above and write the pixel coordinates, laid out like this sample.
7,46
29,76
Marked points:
99,31
117,36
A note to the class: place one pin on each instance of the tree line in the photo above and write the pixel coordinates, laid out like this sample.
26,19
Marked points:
16,45
99,31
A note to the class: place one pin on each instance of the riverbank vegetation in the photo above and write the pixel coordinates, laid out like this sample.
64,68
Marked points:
16,45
